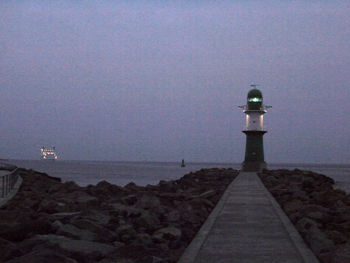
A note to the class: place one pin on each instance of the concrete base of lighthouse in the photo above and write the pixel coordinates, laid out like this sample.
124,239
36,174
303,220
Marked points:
251,166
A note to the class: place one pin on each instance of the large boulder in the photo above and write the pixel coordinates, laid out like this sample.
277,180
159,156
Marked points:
148,201
74,232
318,241
342,254
337,237
101,233
126,211
43,256
173,216
79,197
114,259
125,233
151,259
129,199
292,206
81,250
169,233
20,230
8,250
147,221
304,225
106,190
142,239
327,198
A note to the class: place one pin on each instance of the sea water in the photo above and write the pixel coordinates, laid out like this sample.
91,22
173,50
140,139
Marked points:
143,173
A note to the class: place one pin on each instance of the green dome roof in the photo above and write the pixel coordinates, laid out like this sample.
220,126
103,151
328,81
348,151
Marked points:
254,93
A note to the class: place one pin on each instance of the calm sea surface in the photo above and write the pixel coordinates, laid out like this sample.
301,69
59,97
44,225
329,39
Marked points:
143,173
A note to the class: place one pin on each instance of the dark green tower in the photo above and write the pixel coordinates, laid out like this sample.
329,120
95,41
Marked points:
254,130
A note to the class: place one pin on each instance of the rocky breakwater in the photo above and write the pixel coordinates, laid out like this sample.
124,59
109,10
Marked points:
319,212
51,221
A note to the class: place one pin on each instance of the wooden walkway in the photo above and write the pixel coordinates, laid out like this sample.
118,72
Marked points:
247,225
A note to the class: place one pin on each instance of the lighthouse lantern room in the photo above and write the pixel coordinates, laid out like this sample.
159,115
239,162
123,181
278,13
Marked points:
254,130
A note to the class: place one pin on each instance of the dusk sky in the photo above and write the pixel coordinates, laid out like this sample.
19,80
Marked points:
161,80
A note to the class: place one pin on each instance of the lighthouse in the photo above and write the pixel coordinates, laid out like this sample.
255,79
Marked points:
254,131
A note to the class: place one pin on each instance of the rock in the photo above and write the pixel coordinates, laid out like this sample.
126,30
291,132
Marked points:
147,220
101,233
69,187
31,244
292,206
81,249
318,241
200,206
207,203
301,195
346,200
43,256
295,217
325,257
118,244
126,211
125,233
20,230
327,198
342,254
343,227
271,180
8,250
342,215
340,204
315,215
175,244
49,206
116,260
50,221
82,198
304,225
97,216
337,237
129,200
132,187
142,239
148,201
56,225
74,232
168,187
173,216
60,216
170,233
308,208
207,194
105,189
151,259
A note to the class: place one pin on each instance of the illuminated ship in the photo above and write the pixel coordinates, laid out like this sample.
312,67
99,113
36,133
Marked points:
48,154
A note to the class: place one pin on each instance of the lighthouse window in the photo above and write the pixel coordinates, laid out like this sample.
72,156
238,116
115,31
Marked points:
254,99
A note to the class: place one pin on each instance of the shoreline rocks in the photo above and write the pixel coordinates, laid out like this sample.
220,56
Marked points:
319,212
52,221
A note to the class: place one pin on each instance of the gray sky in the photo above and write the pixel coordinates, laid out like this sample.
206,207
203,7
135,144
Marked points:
161,80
